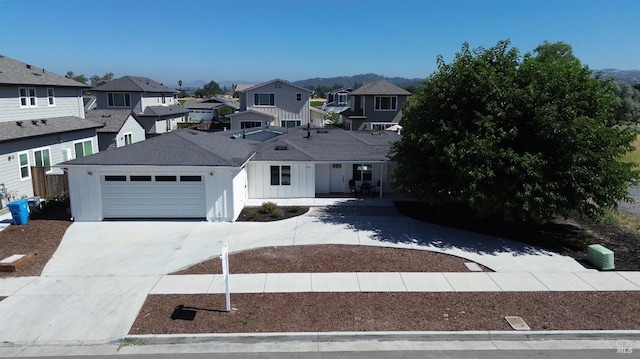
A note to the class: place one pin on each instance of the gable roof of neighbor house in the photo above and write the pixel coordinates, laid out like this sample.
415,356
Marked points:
327,145
135,84
381,87
14,72
210,104
177,148
275,80
160,111
18,130
113,120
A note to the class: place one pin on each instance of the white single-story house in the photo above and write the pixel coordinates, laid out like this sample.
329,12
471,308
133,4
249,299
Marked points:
209,176
120,128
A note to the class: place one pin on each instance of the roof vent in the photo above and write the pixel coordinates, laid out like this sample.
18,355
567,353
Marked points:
35,122
281,148
376,133
44,121
322,131
28,66
19,123
36,74
106,115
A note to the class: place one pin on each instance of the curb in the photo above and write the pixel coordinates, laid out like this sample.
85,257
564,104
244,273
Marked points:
384,336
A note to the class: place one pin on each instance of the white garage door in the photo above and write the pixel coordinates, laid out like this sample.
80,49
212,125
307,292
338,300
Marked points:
153,196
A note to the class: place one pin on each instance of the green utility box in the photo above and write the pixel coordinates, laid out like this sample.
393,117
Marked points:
600,257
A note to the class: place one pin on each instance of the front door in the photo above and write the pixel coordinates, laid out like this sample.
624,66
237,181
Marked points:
336,178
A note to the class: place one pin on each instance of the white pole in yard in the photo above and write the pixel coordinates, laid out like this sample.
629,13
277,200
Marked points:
224,256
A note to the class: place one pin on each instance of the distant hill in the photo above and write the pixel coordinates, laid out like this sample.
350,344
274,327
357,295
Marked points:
631,77
355,81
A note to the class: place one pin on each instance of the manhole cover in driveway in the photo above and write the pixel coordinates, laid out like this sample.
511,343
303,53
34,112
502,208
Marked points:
517,323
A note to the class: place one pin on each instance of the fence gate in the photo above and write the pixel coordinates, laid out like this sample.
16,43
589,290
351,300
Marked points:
45,185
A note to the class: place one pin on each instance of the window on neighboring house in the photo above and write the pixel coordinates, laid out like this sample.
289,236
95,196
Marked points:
83,148
42,158
362,172
25,171
291,123
32,97
342,98
250,124
28,97
128,139
119,99
168,124
386,103
164,99
298,97
51,97
264,99
280,175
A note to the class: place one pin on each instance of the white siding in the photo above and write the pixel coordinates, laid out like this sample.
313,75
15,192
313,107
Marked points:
130,126
286,106
239,192
155,99
84,194
302,180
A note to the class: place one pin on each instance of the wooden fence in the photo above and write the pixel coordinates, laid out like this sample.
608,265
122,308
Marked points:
45,185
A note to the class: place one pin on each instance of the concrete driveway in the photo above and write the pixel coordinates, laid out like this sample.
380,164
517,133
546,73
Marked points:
96,282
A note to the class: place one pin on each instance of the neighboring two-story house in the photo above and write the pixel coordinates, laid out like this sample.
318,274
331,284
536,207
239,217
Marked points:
375,106
275,103
338,102
152,104
42,123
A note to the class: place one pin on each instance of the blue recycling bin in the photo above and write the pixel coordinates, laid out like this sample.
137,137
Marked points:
19,211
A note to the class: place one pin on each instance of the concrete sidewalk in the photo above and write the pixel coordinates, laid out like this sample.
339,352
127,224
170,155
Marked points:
399,282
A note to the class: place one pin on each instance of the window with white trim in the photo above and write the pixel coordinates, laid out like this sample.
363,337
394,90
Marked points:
42,158
264,99
343,98
362,172
83,148
23,161
280,175
128,138
386,103
27,97
119,99
51,97
291,123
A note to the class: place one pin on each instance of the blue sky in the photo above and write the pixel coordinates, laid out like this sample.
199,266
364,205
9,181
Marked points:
261,40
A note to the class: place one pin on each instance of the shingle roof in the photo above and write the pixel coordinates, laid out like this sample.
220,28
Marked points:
159,111
381,87
327,145
14,72
257,113
177,148
113,120
272,81
17,130
210,104
135,84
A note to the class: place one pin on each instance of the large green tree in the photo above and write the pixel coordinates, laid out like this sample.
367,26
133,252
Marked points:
521,137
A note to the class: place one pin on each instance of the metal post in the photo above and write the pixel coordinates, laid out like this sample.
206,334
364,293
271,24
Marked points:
224,256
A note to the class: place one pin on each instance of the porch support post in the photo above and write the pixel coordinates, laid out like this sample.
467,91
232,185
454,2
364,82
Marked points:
380,176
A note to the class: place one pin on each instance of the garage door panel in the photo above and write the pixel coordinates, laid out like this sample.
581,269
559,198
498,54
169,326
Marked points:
150,199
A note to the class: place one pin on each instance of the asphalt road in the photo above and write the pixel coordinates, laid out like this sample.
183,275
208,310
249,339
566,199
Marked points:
451,354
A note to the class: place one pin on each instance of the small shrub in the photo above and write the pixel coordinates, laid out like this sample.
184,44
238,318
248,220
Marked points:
277,213
269,207
294,209
253,214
